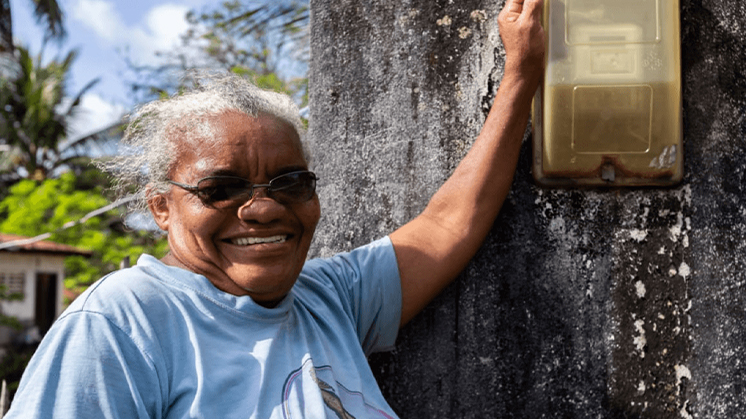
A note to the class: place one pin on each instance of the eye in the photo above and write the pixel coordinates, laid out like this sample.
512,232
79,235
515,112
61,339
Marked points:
285,181
215,193
222,189
294,187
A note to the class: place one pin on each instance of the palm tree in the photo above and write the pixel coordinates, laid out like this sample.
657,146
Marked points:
34,110
47,12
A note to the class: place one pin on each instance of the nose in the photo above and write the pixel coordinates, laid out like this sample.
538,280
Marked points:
260,208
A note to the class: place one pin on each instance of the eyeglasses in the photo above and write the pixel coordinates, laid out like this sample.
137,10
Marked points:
230,191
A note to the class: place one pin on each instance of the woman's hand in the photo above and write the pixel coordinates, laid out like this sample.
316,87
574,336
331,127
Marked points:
523,38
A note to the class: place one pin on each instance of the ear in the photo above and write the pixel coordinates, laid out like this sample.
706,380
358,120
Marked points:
158,205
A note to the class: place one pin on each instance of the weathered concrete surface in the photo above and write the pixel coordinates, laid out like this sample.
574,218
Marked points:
581,303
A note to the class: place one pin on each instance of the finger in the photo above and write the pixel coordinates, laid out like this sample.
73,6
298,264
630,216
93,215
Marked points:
533,8
513,9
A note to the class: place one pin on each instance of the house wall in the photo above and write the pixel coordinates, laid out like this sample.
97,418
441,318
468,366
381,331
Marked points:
30,265
621,303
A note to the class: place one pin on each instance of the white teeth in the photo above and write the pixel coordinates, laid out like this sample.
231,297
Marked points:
245,241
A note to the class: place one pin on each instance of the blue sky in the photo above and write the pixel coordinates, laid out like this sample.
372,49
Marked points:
101,30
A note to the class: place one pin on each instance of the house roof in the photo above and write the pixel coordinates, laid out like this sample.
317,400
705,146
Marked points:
41,246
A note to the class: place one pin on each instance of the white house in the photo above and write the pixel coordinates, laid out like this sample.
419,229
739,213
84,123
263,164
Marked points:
35,270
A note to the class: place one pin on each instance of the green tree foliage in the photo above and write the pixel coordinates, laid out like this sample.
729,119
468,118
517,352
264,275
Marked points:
264,40
253,35
34,208
34,114
13,364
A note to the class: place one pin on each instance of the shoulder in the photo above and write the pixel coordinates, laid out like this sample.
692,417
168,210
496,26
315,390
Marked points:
135,286
138,301
375,258
362,286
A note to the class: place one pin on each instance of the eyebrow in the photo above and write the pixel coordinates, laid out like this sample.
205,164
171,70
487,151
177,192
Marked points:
221,172
290,169
231,173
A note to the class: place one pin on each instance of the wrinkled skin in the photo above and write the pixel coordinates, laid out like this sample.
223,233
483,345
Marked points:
203,239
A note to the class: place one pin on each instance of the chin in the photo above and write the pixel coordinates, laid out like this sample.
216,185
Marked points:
269,303
267,284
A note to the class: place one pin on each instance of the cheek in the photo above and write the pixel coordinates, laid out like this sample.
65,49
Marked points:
198,220
312,215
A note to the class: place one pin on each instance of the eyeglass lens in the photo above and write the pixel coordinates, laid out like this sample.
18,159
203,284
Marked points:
223,191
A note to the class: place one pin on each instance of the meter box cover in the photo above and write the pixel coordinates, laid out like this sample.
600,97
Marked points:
609,109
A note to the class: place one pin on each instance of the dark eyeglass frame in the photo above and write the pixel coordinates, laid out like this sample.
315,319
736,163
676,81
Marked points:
239,198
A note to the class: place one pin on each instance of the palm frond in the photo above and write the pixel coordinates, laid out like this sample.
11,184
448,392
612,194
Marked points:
77,99
49,13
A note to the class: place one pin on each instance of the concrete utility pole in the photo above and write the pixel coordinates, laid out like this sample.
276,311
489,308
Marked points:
624,303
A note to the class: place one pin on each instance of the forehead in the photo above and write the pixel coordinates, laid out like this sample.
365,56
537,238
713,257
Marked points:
236,142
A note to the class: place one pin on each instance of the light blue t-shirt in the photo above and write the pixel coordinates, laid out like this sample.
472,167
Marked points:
155,341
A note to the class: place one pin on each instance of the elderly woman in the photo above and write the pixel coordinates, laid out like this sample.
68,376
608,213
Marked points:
234,322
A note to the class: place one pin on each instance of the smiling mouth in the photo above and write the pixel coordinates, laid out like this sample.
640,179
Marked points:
246,241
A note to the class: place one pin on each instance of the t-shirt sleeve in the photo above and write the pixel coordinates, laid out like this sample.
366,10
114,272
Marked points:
369,289
86,367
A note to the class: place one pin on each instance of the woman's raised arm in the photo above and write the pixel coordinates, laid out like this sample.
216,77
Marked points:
433,248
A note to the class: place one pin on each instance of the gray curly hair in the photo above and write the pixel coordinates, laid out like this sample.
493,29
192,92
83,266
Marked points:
148,147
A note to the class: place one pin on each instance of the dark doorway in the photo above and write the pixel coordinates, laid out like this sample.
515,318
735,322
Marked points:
46,301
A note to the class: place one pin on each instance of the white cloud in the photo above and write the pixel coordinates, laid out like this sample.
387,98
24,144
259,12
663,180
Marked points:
159,30
101,17
167,22
94,114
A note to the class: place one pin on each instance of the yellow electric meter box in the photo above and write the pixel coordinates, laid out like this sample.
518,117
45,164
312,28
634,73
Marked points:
609,109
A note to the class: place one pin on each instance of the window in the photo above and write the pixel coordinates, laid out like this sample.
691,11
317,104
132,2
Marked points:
14,282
